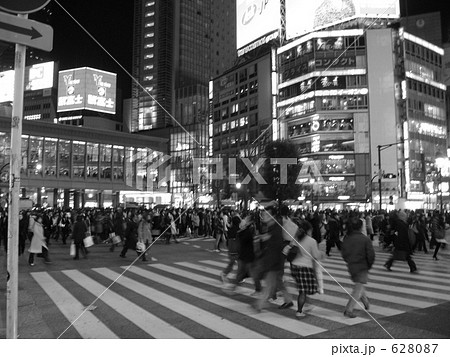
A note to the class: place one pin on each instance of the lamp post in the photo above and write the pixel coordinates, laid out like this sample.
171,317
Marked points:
440,163
380,172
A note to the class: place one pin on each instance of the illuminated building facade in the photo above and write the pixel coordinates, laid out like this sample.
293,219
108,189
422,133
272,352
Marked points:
67,166
344,92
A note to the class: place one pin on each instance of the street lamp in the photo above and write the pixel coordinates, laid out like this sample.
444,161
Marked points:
380,172
440,164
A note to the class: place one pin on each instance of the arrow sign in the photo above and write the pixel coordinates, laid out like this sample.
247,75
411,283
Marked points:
26,32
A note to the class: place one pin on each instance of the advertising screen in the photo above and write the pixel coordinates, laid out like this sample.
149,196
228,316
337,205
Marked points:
303,16
7,86
256,18
39,76
87,88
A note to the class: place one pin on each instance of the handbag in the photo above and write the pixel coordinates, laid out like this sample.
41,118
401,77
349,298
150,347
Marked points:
88,241
292,253
72,249
441,236
140,247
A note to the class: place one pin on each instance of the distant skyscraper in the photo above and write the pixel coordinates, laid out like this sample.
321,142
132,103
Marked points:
177,44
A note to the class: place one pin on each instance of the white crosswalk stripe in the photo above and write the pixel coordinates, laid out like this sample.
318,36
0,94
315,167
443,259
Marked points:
192,292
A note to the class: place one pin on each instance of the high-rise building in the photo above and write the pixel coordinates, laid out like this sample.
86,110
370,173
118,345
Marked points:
178,47
177,44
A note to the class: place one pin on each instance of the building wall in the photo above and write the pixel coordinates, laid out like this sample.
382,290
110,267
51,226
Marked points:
383,125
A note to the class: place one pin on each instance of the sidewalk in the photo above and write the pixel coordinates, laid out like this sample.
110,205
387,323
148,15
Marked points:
30,321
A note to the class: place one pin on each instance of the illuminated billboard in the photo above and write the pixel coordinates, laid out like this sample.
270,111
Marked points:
39,76
256,19
303,16
87,88
7,86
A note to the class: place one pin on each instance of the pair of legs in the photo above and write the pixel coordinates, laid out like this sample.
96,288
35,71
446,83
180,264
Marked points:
80,247
436,250
220,237
274,282
358,293
330,243
411,263
244,270
44,255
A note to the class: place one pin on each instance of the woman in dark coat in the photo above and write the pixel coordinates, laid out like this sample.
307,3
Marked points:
131,234
358,253
78,234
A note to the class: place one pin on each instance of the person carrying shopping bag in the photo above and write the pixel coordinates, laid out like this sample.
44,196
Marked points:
38,244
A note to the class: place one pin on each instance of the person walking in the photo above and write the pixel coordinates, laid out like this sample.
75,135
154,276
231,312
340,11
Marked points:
437,233
246,257
219,231
358,253
402,247
145,233
38,244
78,234
302,266
334,230
422,234
272,259
232,248
131,234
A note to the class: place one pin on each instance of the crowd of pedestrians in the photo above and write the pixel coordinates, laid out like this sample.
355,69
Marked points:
257,241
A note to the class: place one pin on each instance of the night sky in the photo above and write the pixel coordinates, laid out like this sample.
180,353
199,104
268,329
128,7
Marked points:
111,24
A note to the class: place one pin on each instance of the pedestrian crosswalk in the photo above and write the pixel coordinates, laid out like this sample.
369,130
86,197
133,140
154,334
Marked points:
185,300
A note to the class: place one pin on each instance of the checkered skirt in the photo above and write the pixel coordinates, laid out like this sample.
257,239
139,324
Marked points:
305,279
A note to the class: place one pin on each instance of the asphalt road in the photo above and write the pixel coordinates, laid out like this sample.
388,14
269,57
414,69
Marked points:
179,291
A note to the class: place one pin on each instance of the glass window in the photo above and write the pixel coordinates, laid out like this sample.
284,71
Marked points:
92,160
118,161
64,157
105,161
50,146
35,162
24,153
79,153
129,171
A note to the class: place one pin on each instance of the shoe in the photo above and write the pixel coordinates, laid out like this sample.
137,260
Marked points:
76,258
224,278
217,250
300,314
435,258
286,305
229,290
349,314
365,302
413,271
31,264
122,255
387,267
256,294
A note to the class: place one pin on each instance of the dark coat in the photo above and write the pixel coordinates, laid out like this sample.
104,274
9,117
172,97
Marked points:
272,256
357,251
245,244
79,232
401,240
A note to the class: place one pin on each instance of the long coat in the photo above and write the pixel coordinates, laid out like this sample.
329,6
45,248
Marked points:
38,239
357,251
79,232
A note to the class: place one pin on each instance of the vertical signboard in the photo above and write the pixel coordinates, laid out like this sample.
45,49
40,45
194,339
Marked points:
87,88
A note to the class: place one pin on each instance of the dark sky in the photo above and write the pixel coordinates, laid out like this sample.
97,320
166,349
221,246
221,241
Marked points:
110,22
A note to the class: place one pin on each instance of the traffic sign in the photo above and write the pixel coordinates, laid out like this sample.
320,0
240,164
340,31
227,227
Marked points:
22,6
26,32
